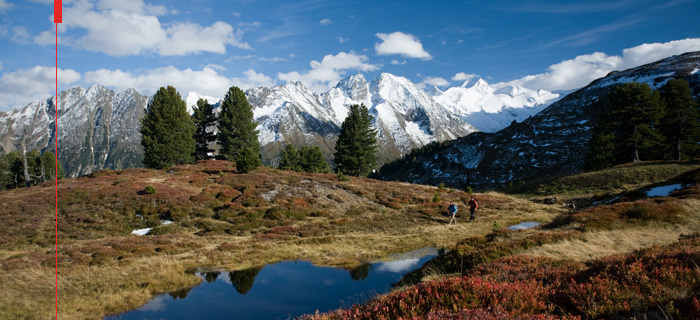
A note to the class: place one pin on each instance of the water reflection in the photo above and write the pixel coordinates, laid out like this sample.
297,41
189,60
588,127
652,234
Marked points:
243,280
362,272
277,291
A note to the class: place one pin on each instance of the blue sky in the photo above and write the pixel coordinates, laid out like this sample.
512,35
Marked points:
208,45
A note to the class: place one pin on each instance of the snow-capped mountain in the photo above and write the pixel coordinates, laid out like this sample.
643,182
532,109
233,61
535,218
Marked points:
550,143
490,109
99,128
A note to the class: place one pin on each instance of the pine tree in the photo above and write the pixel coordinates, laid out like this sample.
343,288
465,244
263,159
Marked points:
311,159
680,125
635,111
167,131
204,118
355,150
289,160
238,138
48,166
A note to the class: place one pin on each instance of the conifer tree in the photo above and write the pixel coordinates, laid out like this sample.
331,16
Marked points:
167,131
289,160
204,118
48,167
680,125
238,138
635,111
311,159
355,150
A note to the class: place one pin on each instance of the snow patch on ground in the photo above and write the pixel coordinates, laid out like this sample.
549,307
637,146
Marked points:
145,231
664,191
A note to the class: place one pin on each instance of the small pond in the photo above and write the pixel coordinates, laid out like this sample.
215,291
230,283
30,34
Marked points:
278,291
524,225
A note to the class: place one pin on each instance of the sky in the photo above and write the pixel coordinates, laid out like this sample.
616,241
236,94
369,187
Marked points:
207,46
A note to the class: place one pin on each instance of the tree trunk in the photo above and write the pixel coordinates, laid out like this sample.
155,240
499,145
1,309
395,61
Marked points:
27,179
636,154
678,148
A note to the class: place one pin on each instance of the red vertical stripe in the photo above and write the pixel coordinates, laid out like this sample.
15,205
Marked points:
56,137
57,11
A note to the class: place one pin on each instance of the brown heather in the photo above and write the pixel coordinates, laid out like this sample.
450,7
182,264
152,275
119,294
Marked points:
224,220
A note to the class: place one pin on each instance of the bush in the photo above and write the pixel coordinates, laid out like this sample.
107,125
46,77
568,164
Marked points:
150,190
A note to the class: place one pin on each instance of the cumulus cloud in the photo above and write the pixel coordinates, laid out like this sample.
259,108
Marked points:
329,71
398,63
23,86
253,79
121,28
429,82
401,43
205,82
580,71
325,22
461,76
341,39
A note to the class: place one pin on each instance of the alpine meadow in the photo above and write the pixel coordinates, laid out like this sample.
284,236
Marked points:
265,159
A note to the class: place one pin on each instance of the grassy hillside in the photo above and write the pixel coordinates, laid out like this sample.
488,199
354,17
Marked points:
634,258
223,220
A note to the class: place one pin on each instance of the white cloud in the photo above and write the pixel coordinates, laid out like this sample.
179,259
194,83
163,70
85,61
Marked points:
252,80
461,76
23,86
398,63
341,39
325,22
401,43
580,71
4,5
326,73
191,38
0,65
430,82
236,14
21,35
206,82
130,27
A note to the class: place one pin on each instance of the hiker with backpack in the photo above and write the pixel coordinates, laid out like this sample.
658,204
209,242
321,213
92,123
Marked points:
473,205
452,209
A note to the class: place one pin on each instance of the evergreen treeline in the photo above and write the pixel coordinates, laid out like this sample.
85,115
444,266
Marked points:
40,168
306,159
637,123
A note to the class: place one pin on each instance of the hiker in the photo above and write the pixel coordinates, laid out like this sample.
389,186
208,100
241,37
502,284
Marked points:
453,210
473,205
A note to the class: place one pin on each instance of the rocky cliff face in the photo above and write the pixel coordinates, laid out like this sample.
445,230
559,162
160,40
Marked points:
551,143
97,128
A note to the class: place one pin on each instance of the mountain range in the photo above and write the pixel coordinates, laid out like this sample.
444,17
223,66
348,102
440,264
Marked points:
553,142
99,128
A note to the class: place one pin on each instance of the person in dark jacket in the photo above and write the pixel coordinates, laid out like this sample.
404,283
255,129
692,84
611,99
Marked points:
473,205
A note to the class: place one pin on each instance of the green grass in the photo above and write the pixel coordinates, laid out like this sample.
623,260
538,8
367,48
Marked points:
618,179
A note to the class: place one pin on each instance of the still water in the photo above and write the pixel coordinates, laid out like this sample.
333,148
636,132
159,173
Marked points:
278,291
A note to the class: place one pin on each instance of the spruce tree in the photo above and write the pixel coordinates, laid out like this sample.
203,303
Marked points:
311,159
238,138
680,125
289,160
167,131
204,118
355,150
635,111
48,167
